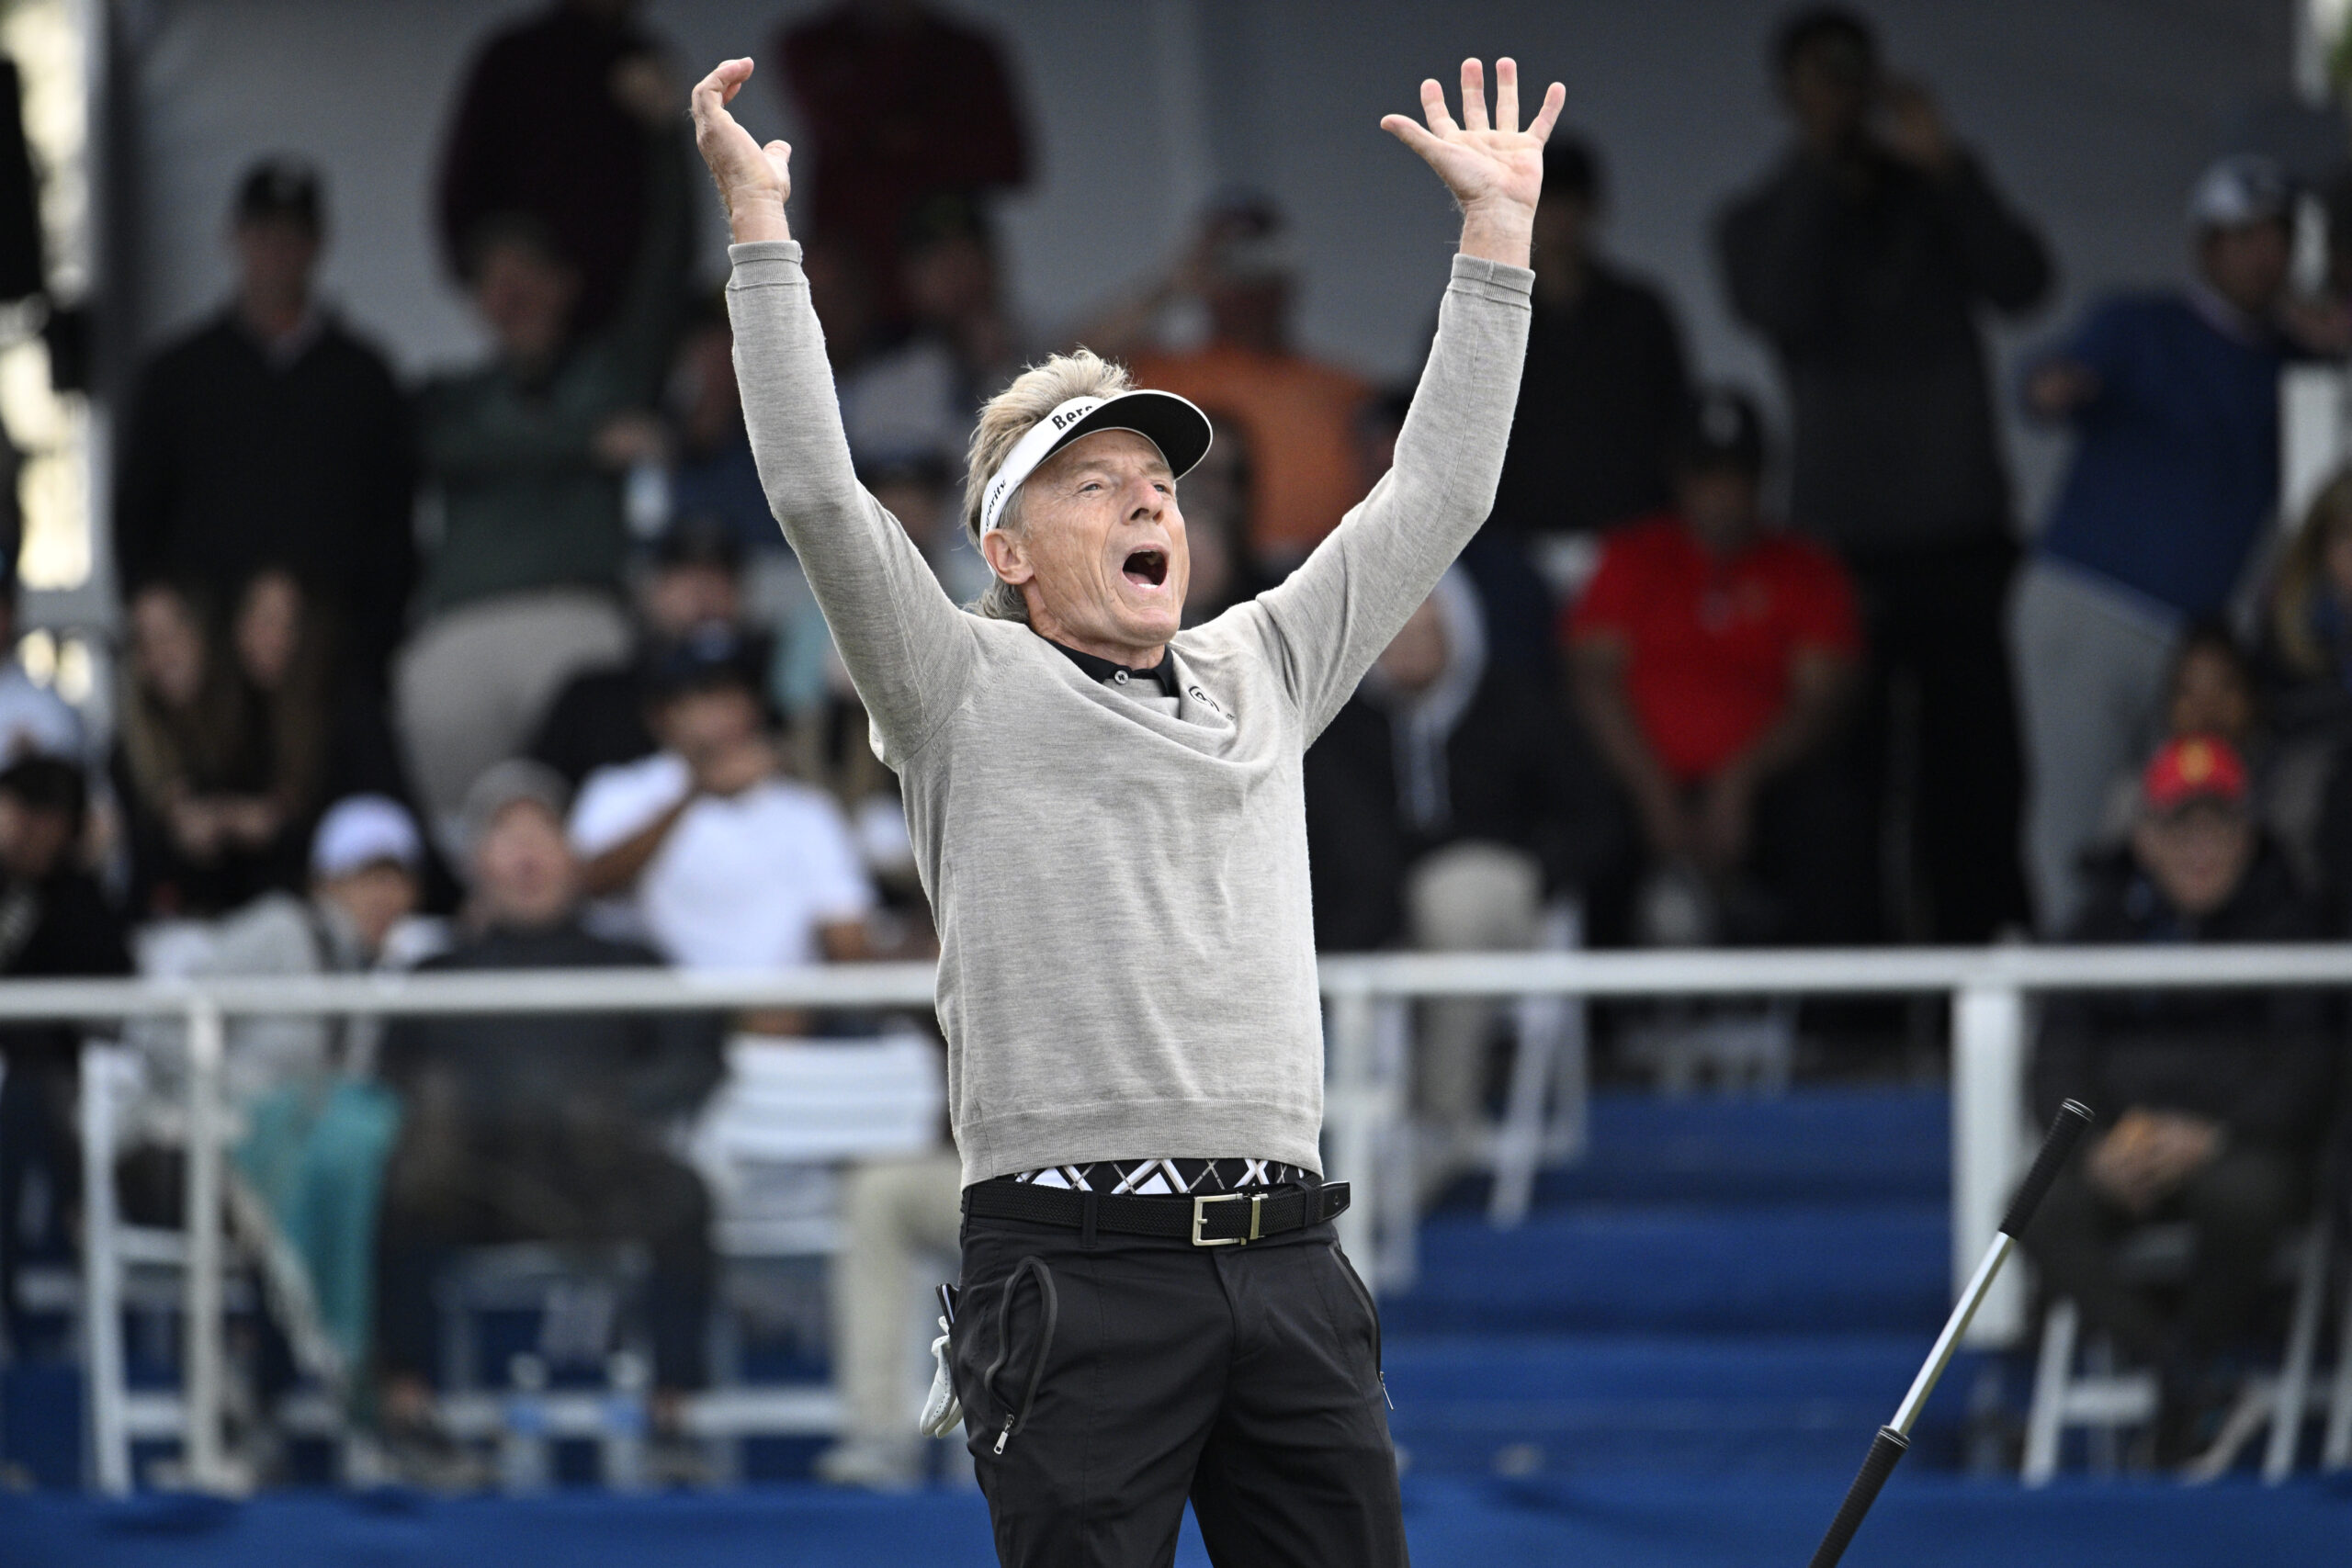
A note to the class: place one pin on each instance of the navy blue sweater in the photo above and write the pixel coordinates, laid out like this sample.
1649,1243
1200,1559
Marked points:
2176,466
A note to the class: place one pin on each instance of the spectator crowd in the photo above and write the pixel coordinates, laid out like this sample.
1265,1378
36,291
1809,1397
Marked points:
511,669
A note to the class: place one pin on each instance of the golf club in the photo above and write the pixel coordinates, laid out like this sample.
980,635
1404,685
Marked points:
1887,1448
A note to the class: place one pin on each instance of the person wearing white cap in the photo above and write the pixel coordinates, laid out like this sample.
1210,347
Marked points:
318,1131
1108,815
2172,396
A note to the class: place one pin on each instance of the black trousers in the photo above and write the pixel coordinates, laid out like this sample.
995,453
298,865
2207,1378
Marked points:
2240,1204
1936,615
1104,1384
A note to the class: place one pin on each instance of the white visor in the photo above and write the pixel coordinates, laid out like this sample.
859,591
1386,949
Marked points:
1179,430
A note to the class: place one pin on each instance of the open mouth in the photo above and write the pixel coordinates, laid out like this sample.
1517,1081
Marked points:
1146,567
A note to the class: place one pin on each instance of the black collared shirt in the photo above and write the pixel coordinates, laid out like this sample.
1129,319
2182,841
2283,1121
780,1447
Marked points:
1163,675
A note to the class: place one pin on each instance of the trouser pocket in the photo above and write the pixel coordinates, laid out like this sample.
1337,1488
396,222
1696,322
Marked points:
1015,1330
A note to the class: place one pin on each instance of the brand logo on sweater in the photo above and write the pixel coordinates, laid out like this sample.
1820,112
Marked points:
1193,691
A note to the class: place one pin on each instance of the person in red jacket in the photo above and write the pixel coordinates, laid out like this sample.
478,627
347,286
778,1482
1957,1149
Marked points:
1713,659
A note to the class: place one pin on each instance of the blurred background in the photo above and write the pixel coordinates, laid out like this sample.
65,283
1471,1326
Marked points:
1922,557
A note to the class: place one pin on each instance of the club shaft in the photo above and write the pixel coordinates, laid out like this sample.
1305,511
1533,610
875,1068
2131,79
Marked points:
1980,1284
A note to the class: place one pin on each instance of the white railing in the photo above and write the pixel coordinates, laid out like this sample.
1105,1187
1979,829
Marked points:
1366,1099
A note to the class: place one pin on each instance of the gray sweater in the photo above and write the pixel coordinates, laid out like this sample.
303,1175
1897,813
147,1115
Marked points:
1127,952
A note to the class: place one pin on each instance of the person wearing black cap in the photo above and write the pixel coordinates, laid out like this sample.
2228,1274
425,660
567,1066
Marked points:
274,436
1108,814
1713,660
724,861
694,581
1605,384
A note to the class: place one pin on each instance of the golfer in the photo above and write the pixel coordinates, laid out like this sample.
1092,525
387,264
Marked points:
1108,818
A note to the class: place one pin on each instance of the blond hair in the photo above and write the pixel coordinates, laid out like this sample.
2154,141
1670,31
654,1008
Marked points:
1004,420
2303,575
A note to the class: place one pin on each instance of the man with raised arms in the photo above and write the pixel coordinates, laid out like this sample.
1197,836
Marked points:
1108,815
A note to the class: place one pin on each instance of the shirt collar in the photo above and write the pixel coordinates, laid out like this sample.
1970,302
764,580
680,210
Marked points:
1163,675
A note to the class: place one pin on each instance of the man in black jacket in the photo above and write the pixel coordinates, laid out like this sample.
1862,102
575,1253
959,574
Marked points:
1445,804
54,922
1603,392
272,436
2212,1101
540,1128
1866,258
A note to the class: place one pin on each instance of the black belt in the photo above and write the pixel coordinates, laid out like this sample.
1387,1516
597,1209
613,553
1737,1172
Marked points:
1208,1219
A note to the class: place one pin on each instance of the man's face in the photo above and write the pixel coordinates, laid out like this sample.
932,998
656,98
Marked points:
1099,549
2196,855
679,598
275,257
34,841
526,301
1827,87
524,869
698,724
1718,501
375,898
2247,264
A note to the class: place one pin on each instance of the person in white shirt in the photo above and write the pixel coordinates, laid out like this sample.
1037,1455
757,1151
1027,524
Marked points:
725,863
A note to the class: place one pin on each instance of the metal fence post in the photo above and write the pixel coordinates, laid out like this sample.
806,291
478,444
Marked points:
1352,1115
204,1370
102,1274
1988,1145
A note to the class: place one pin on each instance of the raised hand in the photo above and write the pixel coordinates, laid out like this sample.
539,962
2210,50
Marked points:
753,181
1494,171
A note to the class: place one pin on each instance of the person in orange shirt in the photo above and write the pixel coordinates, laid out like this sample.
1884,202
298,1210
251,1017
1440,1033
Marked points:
1299,415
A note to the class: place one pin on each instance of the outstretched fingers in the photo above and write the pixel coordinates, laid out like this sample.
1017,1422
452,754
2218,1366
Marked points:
1433,108
1473,95
1554,98
1507,96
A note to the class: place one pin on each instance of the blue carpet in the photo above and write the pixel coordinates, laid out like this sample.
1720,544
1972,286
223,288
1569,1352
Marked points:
1578,1406
1922,1522
1810,1145
1710,1268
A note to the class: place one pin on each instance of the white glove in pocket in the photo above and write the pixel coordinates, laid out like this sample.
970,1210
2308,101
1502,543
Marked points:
943,1413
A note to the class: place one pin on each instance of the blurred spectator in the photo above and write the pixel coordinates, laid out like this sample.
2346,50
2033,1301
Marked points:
1446,805
893,1211
272,436
1604,385
2307,632
34,720
2213,1100
1866,258
2173,399
212,803
54,922
2209,689
1298,415
727,864
692,582
528,452
913,402
552,123
1713,659
318,1130
711,473
902,104
521,1128
328,735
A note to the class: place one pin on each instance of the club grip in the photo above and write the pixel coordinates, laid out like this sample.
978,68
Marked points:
1885,1449
2073,1120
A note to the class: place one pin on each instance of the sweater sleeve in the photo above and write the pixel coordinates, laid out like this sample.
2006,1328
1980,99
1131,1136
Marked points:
1325,625
906,644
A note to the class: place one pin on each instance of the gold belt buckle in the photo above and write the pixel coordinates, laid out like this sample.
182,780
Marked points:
1201,1214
